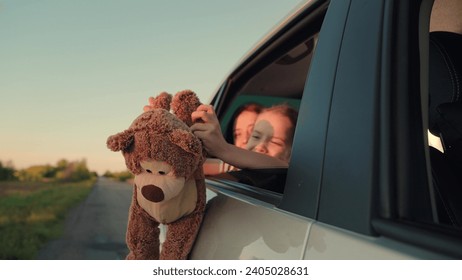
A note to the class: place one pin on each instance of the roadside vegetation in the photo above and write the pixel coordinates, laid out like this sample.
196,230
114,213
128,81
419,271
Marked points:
34,203
122,176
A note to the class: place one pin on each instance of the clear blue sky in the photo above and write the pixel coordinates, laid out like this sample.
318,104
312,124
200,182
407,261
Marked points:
73,72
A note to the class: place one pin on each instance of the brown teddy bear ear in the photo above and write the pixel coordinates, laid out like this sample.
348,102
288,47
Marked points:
120,141
162,101
183,104
186,141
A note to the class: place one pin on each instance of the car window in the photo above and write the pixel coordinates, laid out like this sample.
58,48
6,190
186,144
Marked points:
278,82
431,193
422,203
276,72
445,115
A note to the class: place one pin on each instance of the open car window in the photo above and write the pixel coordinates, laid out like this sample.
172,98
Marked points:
271,179
277,79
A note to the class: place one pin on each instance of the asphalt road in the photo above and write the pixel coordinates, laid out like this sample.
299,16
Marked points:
95,230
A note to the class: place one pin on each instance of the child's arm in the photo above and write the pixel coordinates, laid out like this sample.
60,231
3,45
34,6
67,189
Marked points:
214,166
209,131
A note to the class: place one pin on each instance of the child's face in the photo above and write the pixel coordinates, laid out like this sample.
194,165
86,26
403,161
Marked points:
243,127
270,135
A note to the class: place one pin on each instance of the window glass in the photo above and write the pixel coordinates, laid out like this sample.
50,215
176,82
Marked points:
277,84
445,125
445,113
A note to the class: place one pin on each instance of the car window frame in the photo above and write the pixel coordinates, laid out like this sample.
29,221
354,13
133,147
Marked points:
302,26
304,177
396,219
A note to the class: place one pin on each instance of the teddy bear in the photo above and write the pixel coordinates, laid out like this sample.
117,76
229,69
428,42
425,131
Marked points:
166,160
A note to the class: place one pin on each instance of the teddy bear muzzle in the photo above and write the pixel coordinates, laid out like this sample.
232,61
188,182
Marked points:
153,193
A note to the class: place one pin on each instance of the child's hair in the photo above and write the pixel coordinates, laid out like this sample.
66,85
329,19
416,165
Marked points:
285,110
251,107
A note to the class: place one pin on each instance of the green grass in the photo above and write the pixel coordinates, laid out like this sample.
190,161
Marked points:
32,214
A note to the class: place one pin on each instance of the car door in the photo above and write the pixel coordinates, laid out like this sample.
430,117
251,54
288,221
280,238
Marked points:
376,199
255,218
359,184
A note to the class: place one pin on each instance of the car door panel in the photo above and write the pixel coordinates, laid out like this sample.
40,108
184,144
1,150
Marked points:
330,243
238,227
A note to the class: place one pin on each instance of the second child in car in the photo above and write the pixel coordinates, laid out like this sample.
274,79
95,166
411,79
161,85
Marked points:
269,145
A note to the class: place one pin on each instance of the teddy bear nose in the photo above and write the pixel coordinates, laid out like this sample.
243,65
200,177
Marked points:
152,193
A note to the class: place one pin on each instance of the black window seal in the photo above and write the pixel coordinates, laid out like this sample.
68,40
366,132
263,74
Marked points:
228,186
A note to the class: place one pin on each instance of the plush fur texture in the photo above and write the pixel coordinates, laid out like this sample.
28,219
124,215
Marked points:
166,159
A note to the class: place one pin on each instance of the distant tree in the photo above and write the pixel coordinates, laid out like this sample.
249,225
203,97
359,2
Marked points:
121,176
62,164
73,171
7,171
49,171
81,171
63,171
36,173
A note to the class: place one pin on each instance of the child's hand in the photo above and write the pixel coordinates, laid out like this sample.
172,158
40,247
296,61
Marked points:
207,127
